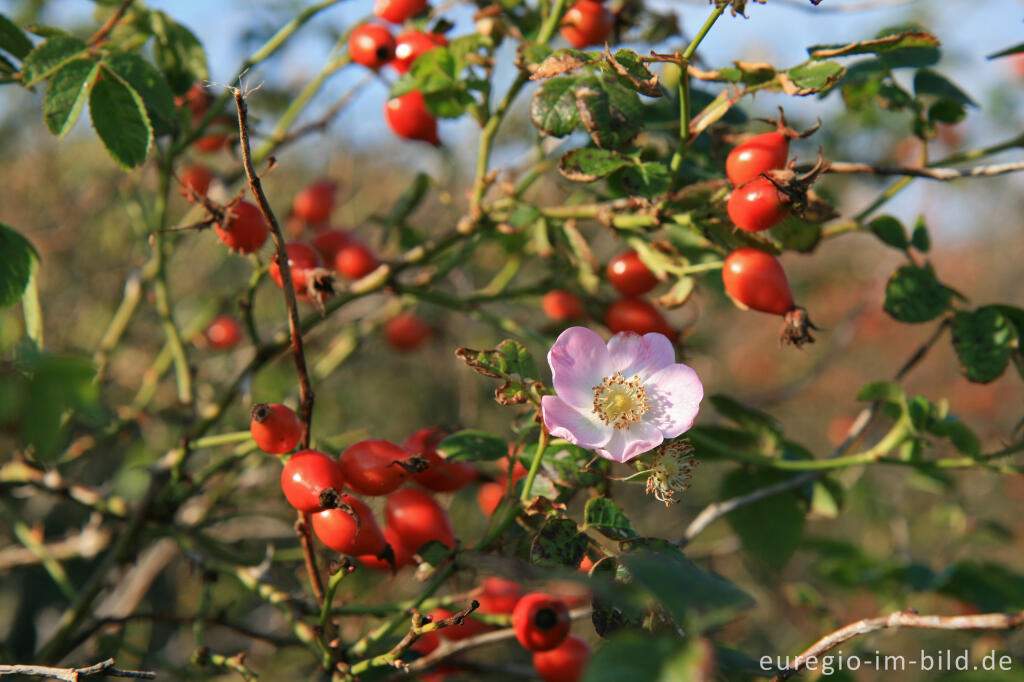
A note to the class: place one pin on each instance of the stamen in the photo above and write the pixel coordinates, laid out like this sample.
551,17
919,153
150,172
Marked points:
671,471
620,403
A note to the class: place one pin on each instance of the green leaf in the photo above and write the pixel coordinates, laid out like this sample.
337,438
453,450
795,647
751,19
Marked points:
765,428
12,39
770,529
119,117
471,445
632,656
920,239
633,73
511,362
1016,49
559,543
143,78
649,179
695,599
797,234
57,384
911,56
436,73
589,164
890,231
178,53
983,340
888,43
947,111
928,82
808,79
15,265
553,107
886,391
66,95
48,56
608,519
913,294
611,114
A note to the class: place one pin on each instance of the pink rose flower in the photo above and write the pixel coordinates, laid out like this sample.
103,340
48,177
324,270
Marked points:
620,399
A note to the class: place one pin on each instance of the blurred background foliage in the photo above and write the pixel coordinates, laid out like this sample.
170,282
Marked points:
892,538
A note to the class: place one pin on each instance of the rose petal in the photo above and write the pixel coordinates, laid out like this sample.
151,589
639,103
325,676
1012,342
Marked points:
625,444
674,394
579,361
643,355
576,426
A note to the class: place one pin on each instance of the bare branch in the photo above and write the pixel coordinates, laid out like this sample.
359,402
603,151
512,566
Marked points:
906,619
294,325
943,174
109,24
105,668
717,510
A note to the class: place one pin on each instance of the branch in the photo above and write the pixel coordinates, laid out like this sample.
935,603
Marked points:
294,329
105,668
943,174
907,619
109,24
717,510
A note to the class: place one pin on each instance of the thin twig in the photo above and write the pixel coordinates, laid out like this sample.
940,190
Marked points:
450,648
294,326
105,668
906,619
944,174
109,24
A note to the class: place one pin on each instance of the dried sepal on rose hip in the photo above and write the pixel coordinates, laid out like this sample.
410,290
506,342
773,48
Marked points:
311,481
755,279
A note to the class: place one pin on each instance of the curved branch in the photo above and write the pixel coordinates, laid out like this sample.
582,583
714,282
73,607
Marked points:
105,668
906,619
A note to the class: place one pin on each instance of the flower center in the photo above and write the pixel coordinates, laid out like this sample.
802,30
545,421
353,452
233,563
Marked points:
618,402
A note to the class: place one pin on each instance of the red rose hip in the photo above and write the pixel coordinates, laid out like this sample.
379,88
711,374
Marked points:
305,477
371,45
418,519
564,663
541,621
757,155
343,533
409,117
243,228
629,275
314,203
275,428
588,22
757,205
369,467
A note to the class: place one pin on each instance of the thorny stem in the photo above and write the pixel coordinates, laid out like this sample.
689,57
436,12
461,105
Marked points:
302,526
684,90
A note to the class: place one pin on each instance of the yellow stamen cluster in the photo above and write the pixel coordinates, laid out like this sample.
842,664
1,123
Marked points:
620,402
671,471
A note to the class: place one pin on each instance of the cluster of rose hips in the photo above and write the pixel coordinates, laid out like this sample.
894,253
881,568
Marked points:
752,277
631,278
587,22
329,490
328,251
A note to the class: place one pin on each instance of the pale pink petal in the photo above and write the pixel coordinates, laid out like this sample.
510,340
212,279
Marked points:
625,444
674,394
643,355
579,361
578,427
